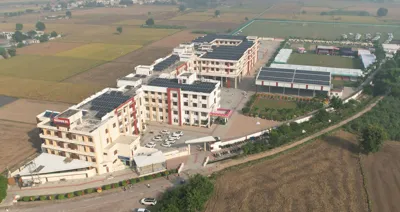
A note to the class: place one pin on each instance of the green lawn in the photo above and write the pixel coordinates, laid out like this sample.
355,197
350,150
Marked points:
304,29
261,104
324,60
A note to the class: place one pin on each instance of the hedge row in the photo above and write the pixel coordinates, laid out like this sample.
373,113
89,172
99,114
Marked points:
99,189
163,26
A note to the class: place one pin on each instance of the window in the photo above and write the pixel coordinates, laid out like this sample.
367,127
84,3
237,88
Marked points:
204,97
185,95
203,114
159,93
94,160
147,108
114,125
90,139
194,96
154,109
186,112
152,92
175,103
196,113
187,120
185,103
115,152
194,104
161,118
153,100
176,120
106,130
176,112
91,149
204,106
146,99
166,101
174,95
160,101
160,109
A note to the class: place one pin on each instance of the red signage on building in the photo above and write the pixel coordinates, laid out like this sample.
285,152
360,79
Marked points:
61,121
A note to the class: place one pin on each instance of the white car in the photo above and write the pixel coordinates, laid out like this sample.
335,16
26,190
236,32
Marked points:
174,137
151,145
178,133
164,132
166,144
169,140
157,138
148,201
140,210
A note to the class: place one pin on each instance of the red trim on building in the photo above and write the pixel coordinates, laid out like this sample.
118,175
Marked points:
276,84
170,105
291,85
134,116
306,86
322,88
64,122
262,82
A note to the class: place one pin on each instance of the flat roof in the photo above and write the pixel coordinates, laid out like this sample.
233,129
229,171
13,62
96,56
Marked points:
326,47
68,113
295,76
48,163
211,37
149,159
334,71
205,139
196,86
228,52
395,42
134,77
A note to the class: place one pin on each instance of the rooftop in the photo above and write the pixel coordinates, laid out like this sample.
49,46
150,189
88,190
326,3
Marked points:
166,63
68,113
149,159
334,71
228,52
197,86
295,76
211,37
47,163
134,77
395,42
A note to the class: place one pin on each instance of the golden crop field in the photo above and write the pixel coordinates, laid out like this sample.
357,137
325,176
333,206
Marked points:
131,22
46,90
99,51
50,68
193,17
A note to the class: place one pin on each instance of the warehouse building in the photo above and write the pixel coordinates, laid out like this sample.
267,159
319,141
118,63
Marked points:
341,72
293,82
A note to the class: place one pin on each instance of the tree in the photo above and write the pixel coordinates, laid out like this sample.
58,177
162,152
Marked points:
119,29
68,14
321,116
44,38
336,102
12,52
372,138
182,7
3,52
126,2
217,13
32,33
40,26
382,12
150,22
18,36
53,34
19,26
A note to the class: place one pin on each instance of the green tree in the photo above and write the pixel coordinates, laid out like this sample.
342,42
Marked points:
3,52
150,22
44,38
119,29
31,33
336,102
182,7
68,14
18,36
40,26
12,52
19,26
372,138
53,34
217,13
387,80
382,12
321,116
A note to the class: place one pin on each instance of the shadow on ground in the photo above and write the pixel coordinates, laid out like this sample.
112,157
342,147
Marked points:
344,143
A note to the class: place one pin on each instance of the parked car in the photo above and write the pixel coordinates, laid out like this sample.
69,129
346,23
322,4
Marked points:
178,133
169,140
164,132
157,138
166,144
140,210
217,138
151,145
174,137
148,201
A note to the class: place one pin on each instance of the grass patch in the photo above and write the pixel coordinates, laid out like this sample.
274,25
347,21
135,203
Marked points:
324,60
50,68
318,29
344,83
273,104
99,51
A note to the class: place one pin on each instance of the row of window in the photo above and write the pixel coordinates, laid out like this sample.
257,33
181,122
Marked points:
215,69
72,155
212,63
68,135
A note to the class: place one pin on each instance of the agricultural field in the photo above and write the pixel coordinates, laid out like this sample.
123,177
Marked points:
329,31
47,68
324,60
48,48
320,176
99,51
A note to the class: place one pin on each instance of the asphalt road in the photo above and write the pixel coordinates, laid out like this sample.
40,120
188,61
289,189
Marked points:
115,202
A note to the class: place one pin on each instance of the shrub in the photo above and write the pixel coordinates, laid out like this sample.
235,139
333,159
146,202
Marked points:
61,196
149,177
51,197
124,183
3,187
79,193
70,195
245,110
115,185
26,199
42,198
107,187
133,181
89,190
158,175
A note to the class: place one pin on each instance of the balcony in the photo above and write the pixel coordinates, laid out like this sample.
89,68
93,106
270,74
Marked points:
65,140
51,147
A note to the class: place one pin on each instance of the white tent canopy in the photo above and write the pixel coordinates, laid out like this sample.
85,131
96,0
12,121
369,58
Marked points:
206,139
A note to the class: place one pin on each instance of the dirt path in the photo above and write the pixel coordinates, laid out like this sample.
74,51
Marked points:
225,164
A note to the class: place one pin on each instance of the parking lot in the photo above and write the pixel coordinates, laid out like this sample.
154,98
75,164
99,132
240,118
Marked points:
188,134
